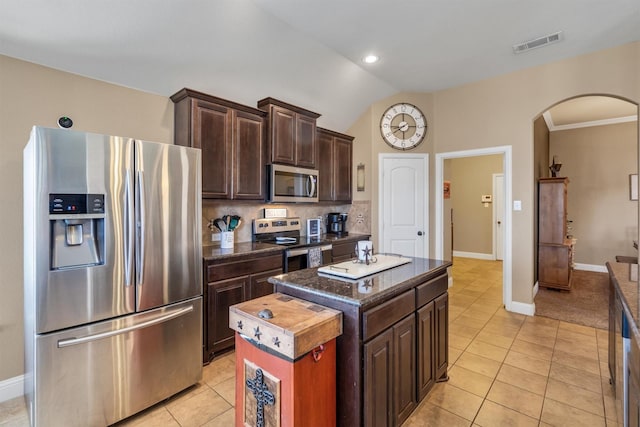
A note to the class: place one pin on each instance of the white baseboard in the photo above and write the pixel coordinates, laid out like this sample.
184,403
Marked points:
475,255
11,388
591,267
522,308
535,289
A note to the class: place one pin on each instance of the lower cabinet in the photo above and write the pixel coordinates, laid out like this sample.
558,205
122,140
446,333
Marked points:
378,380
633,402
345,251
390,379
404,361
230,283
404,369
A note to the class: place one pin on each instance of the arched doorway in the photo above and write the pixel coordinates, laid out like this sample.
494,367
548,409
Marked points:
595,137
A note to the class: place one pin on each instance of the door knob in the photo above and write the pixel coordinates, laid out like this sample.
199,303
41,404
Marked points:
499,223
419,233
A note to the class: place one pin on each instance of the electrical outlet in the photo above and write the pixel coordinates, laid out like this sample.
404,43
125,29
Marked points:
215,237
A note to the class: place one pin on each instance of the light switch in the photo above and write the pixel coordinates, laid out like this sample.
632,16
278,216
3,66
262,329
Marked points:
517,205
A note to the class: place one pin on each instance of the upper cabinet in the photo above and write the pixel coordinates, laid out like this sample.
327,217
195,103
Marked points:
291,132
232,138
334,166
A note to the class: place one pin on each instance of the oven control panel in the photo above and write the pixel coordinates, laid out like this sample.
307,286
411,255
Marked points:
276,225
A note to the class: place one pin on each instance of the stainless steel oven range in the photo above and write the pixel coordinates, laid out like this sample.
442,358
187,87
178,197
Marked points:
300,251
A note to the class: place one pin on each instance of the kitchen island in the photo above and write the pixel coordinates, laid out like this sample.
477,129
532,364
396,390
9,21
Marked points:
394,345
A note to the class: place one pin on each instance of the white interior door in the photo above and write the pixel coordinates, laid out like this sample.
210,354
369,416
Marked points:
498,215
403,204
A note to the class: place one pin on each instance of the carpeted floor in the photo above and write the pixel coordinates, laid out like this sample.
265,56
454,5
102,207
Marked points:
586,304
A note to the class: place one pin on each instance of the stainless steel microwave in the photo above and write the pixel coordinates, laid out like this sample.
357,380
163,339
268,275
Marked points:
292,184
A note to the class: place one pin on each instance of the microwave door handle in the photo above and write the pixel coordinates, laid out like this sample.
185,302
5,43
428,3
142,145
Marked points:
312,187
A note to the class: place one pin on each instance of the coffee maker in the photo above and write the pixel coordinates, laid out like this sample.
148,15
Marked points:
337,223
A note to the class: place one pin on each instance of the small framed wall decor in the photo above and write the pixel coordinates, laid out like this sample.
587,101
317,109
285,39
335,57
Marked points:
633,186
446,191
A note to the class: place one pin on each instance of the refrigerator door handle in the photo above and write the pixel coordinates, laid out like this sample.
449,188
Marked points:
160,319
141,214
128,230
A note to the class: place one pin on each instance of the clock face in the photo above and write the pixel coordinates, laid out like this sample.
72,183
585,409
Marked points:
403,126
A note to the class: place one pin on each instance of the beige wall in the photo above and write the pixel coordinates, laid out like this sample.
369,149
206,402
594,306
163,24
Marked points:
34,95
598,160
540,170
470,178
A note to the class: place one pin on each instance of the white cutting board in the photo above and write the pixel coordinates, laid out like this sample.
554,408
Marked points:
356,270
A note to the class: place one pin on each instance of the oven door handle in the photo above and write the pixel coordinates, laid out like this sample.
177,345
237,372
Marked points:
305,251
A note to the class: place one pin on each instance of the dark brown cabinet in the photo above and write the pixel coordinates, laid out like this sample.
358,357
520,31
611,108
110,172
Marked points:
404,369
555,250
229,283
378,362
232,139
222,295
432,318
403,362
334,166
345,250
291,133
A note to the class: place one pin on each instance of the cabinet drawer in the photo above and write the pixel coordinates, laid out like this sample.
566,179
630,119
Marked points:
429,290
217,272
386,314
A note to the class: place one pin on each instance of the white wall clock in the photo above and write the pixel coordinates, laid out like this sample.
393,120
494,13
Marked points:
403,126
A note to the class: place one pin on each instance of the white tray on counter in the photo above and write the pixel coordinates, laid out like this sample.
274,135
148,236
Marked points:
356,270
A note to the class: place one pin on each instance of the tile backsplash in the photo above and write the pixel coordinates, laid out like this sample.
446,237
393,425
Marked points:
359,216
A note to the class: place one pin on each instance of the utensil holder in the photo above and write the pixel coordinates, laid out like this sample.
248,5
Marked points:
227,239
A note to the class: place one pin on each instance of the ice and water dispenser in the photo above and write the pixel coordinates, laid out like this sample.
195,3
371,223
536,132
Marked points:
77,230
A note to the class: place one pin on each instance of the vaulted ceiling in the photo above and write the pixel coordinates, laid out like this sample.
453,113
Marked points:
306,52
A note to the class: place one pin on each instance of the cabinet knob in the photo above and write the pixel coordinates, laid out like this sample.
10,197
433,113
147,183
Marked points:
419,233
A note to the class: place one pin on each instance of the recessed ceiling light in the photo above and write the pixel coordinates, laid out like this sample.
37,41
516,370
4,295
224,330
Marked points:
370,59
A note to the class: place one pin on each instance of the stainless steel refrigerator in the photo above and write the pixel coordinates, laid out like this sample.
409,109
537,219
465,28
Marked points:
112,275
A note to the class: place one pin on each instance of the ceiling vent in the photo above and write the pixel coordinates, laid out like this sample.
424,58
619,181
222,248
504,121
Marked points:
539,42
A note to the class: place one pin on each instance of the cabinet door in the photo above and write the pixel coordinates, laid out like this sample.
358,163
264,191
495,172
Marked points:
342,159
212,134
426,349
554,269
283,134
260,286
325,166
306,149
378,380
612,332
552,210
442,336
248,156
404,368
344,251
633,410
222,295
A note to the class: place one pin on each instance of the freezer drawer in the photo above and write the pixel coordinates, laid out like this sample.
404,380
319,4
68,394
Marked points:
101,373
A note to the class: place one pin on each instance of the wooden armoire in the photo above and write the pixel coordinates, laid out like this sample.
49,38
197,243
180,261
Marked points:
555,249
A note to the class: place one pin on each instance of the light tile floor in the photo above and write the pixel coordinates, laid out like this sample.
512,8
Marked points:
505,369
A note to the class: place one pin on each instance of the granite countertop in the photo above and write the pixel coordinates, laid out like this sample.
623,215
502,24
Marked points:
368,290
625,279
242,249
